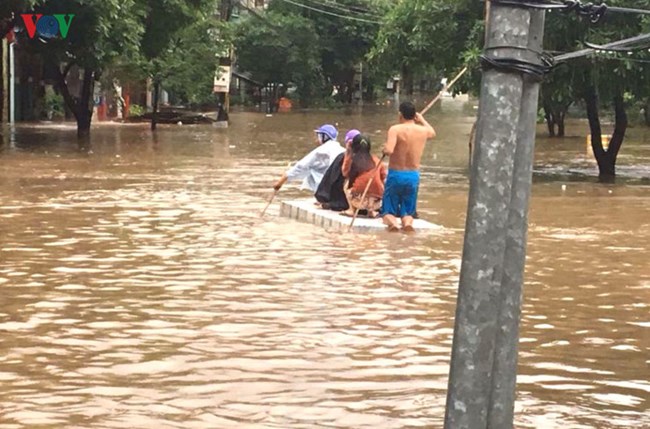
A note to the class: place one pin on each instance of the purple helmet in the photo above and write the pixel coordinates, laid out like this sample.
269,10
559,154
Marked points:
329,130
351,134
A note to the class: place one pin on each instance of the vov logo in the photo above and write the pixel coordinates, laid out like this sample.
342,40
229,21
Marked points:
47,26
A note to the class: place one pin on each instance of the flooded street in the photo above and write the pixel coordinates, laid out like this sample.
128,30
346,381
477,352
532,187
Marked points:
140,288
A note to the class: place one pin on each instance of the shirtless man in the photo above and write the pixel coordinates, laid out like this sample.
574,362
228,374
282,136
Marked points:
404,146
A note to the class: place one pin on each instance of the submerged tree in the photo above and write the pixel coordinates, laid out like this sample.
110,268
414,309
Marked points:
557,95
612,79
421,36
180,45
191,62
603,80
286,45
345,32
177,42
560,89
98,33
335,39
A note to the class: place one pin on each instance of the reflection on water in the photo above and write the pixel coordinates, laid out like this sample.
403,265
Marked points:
141,289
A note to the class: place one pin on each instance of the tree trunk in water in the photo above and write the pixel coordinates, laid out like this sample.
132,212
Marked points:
407,81
620,127
560,123
591,102
85,107
156,101
82,107
555,119
606,159
646,112
550,120
83,127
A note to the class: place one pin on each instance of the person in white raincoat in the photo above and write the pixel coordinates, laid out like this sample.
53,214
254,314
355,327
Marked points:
312,167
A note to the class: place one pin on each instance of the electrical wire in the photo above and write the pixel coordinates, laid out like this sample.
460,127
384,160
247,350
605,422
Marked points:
326,12
632,60
340,7
352,18
634,41
626,49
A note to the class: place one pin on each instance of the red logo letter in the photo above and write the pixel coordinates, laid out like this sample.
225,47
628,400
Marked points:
30,23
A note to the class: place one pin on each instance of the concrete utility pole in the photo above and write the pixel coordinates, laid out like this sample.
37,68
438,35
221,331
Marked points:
12,83
225,12
5,81
484,355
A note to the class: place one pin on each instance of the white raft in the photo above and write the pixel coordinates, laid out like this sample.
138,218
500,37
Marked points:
306,211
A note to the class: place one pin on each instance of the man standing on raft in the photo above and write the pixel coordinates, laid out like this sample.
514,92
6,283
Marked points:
404,146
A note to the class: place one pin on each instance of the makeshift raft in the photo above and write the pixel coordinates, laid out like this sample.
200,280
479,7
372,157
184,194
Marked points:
306,211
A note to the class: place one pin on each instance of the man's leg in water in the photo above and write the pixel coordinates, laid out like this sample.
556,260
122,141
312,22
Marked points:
407,224
390,204
409,205
391,222
415,213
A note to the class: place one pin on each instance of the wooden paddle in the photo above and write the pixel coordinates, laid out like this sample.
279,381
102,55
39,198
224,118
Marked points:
442,91
275,192
425,110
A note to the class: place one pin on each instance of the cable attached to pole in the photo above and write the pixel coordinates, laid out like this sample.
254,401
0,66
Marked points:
634,41
546,61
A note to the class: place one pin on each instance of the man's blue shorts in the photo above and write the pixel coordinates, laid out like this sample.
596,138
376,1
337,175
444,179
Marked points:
401,193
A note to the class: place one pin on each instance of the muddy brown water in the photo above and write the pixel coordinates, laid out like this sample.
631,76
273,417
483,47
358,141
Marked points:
141,289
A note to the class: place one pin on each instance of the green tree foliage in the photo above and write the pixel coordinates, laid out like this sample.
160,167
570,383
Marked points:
288,46
180,47
192,60
562,33
316,45
173,40
424,37
9,12
420,36
99,33
342,41
411,33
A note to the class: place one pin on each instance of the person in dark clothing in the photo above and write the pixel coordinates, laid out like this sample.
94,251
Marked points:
330,193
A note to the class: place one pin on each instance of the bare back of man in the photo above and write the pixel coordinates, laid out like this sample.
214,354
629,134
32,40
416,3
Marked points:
404,146
410,141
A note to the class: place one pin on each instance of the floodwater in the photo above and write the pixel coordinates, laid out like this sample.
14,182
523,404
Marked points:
140,288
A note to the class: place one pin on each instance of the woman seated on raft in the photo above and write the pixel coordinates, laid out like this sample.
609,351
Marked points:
358,168
331,191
